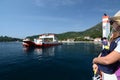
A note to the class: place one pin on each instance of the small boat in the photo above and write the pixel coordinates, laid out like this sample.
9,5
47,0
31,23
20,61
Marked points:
44,40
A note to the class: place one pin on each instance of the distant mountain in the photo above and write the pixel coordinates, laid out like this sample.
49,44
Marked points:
8,39
93,32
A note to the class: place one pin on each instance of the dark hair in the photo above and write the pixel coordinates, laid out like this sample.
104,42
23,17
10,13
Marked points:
103,38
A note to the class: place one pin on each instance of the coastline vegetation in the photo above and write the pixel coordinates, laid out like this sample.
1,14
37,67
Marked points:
8,39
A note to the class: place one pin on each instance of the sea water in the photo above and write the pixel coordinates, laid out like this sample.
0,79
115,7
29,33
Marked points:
70,61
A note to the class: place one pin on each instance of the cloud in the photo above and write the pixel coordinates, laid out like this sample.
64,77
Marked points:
55,3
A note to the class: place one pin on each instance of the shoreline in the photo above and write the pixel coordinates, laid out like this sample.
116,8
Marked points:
98,42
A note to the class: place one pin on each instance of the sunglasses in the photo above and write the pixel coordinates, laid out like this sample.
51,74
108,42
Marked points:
111,22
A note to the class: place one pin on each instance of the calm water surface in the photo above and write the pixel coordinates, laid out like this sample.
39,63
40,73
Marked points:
71,61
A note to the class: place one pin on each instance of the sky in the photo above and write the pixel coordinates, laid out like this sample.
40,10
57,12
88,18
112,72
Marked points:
21,18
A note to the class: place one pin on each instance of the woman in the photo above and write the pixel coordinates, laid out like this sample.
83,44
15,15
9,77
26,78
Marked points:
114,55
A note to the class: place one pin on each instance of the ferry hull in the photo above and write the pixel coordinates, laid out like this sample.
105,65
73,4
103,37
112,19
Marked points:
32,44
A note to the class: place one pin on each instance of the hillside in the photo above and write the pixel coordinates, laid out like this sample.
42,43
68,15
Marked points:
8,39
93,32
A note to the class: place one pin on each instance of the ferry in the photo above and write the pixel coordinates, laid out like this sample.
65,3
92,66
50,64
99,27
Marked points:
44,40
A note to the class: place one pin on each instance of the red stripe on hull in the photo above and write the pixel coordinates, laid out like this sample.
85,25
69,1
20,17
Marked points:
32,44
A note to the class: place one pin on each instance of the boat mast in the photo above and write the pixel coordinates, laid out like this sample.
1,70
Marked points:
105,26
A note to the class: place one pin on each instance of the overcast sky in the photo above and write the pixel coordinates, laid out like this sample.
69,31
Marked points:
21,18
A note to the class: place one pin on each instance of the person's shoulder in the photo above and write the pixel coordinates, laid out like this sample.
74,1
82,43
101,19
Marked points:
117,40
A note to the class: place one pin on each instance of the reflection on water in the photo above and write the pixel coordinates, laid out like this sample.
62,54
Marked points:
45,52
71,61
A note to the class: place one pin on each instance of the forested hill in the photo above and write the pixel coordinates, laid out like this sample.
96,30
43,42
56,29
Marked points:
8,39
93,32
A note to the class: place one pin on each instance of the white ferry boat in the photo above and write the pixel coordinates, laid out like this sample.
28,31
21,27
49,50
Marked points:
44,40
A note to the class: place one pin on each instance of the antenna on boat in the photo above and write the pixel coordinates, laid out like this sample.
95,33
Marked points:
105,26
105,31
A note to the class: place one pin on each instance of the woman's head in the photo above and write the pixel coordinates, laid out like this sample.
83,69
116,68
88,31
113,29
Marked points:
115,23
